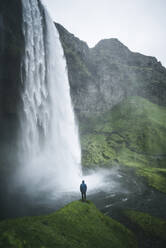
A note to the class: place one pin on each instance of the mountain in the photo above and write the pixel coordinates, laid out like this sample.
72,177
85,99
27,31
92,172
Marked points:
119,99
103,76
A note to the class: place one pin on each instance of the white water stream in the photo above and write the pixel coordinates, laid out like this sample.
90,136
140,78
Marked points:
50,154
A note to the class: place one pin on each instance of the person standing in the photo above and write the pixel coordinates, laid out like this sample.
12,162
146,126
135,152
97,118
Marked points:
83,189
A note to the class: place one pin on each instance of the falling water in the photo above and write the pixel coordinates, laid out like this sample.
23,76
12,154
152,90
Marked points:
50,150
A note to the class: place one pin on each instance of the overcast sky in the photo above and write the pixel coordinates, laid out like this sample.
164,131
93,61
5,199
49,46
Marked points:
138,24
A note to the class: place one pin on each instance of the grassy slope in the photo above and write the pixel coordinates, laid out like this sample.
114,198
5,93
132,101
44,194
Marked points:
133,133
149,224
76,225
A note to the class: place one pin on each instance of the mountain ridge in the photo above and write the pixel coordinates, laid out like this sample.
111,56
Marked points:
102,76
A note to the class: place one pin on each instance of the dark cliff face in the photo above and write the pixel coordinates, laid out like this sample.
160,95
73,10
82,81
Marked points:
80,71
11,44
103,76
122,73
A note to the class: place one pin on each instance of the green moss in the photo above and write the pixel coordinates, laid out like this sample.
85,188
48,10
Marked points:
76,225
149,224
141,123
156,177
133,133
96,150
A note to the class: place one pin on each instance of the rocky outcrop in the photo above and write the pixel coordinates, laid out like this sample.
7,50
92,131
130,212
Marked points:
103,76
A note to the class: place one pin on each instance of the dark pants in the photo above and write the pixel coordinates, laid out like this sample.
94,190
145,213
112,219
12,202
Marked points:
83,196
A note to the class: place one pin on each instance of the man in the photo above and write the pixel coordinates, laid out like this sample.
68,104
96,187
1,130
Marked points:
83,189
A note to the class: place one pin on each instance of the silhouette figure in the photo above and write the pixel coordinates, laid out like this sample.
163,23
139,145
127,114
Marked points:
83,189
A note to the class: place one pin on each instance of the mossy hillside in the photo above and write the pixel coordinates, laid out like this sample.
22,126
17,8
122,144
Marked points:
76,225
133,133
135,124
151,226
140,123
156,177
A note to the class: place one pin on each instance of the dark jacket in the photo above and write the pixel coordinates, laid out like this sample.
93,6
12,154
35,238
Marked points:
83,187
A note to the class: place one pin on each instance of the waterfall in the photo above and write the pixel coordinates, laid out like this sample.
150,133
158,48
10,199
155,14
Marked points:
49,152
